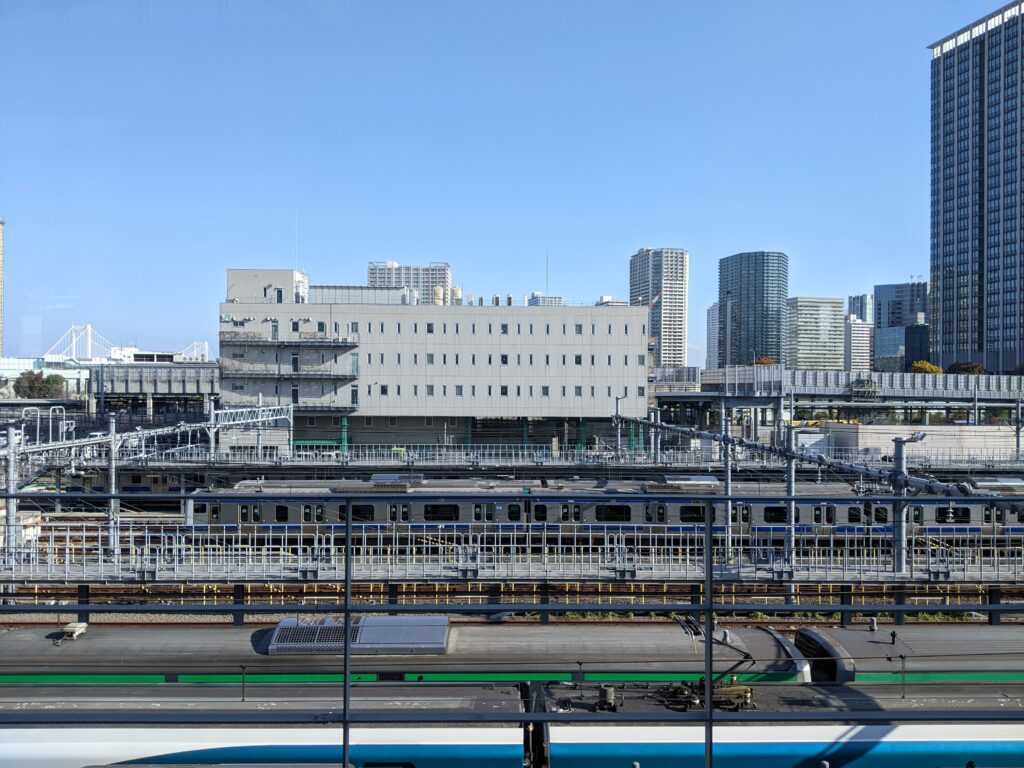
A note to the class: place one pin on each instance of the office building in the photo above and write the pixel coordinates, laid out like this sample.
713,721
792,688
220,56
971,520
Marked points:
897,305
659,280
403,373
2,223
752,292
712,351
432,283
917,339
538,299
862,306
977,260
815,332
858,345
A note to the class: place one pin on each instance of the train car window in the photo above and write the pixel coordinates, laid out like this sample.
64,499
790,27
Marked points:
881,515
489,512
917,513
214,513
988,514
243,513
393,512
540,513
515,513
405,513
363,513
818,513
478,513
613,513
853,514
200,509
1000,515
775,514
319,513
565,513
442,513
281,513
830,514
734,515
257,512
746,513
136,479
691,513
956,515
576,514
307,513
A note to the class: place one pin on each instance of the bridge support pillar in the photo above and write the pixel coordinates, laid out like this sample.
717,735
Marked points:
899,597
392,594
238,619
545,599
846,598
995,597
83,599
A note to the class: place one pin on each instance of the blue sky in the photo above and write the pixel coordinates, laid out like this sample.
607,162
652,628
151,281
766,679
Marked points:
145,147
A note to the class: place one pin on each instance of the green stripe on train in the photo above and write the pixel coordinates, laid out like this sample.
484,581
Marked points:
80,679
669,677
485,677
272,677
940,677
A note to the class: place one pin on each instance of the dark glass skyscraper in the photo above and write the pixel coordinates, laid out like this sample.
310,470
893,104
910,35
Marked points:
752,292
977,305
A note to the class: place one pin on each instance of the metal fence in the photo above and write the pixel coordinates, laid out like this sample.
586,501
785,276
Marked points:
417,552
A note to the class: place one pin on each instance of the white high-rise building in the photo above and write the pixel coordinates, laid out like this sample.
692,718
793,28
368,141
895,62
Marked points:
862,306
433,283
859,344
712,357
815,331
659,279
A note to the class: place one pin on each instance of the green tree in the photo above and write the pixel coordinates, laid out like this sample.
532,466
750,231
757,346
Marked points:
923,366
32,384
763,361
973,369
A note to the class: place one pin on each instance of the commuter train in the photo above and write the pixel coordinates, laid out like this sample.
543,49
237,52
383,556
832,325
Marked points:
679,505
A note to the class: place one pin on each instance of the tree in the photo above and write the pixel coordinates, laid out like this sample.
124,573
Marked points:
972,369
923,366
763,361
32,384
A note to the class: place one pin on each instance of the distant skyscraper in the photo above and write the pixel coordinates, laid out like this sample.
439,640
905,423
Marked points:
538,299
659,278
857,353
712,356
433,282
897,305
977,257
863,306
814,334
752,291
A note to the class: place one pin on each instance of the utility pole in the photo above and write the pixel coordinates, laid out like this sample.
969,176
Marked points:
115,504
899,486
618,429
790,491
727,461
10,531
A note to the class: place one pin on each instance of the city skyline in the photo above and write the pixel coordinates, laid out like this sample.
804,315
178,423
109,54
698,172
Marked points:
133,211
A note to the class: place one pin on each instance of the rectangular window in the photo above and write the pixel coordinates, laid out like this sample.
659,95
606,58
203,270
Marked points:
430,358
578,391
691,513
515,513
430,390
953,515
612,513
321,327
441,513
503,390
295,326
361,513
504,329
368,421
428,421
579,329
578,359
430,327
384,389
458,390
392,421
504,359
776,514
545,391
540,513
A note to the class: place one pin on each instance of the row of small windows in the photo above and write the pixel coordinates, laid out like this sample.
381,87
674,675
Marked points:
430,358
503,329
503,390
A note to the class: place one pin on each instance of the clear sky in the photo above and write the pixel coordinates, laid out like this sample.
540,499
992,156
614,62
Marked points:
145,147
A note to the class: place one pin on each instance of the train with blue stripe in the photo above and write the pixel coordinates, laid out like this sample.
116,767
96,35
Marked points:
943,745
674,504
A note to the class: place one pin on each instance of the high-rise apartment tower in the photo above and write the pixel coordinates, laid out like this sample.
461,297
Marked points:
977,254
752,291
433,282
659,278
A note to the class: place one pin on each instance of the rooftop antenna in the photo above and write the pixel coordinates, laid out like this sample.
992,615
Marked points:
546,270
296,266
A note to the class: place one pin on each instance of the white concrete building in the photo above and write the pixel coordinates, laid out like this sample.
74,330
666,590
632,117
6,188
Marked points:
432,283
858,344
814,338
712,355
395,373
538,299
659,279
